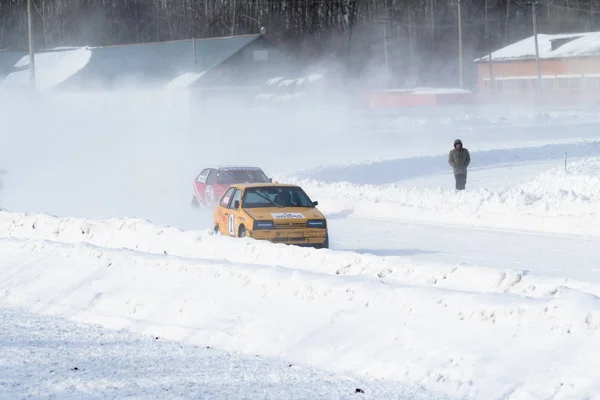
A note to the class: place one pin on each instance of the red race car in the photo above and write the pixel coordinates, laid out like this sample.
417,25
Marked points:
212,183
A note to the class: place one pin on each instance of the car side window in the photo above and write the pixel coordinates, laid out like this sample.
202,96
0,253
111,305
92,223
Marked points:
212,177
226,197
236,196
202,177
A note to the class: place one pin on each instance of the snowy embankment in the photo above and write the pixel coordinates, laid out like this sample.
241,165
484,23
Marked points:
52,357
373,316
145,237
554,201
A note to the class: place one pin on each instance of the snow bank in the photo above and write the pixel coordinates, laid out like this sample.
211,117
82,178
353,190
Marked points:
384,170
55,358
143,236
555,201
51,68
49,357
469,344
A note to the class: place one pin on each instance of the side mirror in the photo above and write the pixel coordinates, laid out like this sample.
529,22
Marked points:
236,204
315,203
270,180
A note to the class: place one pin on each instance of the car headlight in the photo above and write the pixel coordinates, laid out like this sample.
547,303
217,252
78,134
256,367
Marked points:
316,223
263,225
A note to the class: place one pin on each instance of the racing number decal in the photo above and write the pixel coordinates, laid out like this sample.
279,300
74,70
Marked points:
231,224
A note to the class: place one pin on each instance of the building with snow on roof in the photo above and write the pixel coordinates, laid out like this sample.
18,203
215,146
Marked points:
569,69
210,66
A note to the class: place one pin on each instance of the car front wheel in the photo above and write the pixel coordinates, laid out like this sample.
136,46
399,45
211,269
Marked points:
325,244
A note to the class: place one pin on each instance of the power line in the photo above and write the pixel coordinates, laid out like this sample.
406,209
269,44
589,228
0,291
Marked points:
537,51
31,45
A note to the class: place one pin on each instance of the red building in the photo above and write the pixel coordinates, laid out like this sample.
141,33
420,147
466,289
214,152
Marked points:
418,97
569,69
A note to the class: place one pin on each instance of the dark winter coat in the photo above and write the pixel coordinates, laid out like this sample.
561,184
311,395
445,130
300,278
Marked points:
459,159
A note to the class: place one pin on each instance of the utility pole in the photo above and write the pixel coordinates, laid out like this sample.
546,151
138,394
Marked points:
385,49
194,49
537,49
31,52
384,21
490,63
489,46
233,18
460,50
351,18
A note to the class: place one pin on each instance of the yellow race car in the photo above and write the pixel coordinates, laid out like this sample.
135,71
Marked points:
271,211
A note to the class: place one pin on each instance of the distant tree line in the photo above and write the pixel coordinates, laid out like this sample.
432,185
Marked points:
421,36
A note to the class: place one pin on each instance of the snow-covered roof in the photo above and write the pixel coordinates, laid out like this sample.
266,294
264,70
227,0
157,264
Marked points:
565,45
426,90
52,68
184,80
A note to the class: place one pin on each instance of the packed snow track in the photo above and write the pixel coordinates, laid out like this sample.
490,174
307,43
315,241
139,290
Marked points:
492,293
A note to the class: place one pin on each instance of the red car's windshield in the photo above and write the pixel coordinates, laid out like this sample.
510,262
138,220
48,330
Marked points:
231,176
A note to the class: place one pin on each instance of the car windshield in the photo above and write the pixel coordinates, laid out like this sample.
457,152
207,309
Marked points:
231,176
292,196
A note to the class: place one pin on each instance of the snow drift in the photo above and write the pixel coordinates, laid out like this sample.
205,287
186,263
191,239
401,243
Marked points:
179,285
393,170
143,236
49,357
554,201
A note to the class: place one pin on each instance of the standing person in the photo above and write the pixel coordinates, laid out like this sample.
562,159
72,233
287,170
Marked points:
459,159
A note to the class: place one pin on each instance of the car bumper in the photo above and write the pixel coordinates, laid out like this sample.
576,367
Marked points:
290,236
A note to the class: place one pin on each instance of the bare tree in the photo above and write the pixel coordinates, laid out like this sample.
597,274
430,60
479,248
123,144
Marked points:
421,35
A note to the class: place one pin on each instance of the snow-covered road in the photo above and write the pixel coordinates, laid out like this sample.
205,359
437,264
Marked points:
542,253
